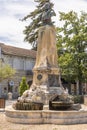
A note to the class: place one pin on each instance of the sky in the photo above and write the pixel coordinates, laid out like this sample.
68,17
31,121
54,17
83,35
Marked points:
11,11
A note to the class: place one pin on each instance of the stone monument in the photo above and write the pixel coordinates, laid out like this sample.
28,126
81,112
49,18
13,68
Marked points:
46,79
46,91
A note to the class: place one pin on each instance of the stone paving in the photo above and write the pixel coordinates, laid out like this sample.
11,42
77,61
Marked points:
4,125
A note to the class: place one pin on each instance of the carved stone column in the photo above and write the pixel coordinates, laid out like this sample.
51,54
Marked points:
46,71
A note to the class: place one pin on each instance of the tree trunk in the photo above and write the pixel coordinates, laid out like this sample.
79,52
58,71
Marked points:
80,77
77,87
69,88
80,87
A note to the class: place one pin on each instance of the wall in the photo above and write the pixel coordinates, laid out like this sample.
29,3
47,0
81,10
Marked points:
21,64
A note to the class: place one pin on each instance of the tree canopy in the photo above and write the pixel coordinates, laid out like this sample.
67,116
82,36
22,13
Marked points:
31,31
72,46
5,71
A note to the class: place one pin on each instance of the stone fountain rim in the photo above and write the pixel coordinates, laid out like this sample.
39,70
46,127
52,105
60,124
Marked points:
45,116
10,108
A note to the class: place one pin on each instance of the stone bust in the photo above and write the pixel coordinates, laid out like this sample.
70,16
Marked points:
48,12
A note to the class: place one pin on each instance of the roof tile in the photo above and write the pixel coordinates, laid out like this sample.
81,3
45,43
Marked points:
10,50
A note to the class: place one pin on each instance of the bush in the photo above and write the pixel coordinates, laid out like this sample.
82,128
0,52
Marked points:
23,86
78,99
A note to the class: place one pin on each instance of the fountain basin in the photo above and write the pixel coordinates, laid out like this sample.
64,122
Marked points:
46,116
28,106
55,105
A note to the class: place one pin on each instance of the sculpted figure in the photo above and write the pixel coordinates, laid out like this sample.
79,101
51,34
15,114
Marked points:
48,12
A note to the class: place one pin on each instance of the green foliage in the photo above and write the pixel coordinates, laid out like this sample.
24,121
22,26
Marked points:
78,99
31,31
72,46
23,86
5,71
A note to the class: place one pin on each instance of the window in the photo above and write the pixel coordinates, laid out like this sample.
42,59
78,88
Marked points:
10,61
29,64
5,90
18,64
21,64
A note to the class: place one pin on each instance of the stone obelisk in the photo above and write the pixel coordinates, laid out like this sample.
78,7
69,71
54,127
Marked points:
46,71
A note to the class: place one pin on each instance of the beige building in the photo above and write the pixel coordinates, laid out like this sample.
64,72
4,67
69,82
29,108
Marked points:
22,60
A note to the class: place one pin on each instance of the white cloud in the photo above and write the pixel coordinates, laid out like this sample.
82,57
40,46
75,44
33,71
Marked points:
68,5
11,28
76,5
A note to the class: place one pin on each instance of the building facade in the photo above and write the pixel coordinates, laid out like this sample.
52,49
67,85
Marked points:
22,60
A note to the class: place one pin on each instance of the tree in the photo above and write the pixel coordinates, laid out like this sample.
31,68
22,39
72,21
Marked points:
23,86
72,46
5,71
31,31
